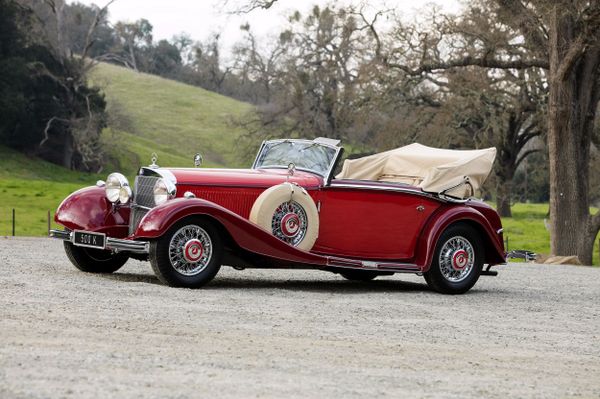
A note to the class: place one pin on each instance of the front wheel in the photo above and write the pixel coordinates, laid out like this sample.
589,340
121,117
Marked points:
457,261
188,255
91,260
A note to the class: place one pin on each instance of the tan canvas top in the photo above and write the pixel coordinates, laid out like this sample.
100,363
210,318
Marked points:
458,173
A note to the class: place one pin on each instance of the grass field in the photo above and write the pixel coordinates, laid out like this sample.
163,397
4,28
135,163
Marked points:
526,229
32,187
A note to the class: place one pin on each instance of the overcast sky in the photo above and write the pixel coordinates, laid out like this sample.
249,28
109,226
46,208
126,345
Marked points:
200,18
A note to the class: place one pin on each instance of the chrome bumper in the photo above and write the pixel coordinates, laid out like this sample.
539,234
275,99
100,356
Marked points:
113,244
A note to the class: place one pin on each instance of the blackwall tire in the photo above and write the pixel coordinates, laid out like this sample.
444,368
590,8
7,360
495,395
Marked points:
189,254
94,260
289,213
457,260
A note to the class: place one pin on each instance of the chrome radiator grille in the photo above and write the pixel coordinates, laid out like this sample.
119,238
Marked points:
143,198
144,191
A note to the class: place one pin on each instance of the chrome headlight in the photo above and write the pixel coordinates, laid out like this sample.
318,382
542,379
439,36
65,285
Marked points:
164,190
117,188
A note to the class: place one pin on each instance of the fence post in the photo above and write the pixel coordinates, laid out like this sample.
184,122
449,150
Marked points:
48,222
13,222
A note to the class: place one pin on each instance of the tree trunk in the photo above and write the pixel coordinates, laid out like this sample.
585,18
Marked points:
503,194
572,105
60,29
67,158
132,55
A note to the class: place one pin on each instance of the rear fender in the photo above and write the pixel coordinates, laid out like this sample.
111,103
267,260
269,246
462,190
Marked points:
246,234
446,216
88,209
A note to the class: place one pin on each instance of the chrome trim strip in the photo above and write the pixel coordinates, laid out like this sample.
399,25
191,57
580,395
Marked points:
334,261
336,159
448,198
383,188
499,231
146,208
60,234
164,173
262,145
115,244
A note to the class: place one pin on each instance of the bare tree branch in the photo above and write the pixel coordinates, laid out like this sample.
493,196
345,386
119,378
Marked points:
48,125
252,5
97,19
524,155
528,23
484,62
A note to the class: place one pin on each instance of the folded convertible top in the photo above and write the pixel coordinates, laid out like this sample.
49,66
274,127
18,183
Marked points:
456,173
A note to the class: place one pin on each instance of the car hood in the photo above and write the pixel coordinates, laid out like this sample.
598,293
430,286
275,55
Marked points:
243,177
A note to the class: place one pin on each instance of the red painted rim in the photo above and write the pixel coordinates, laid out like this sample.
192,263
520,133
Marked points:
460,259
290,225
193,250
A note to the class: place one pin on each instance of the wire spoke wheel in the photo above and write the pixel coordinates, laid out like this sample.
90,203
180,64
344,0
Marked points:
456,259
290,223
190,250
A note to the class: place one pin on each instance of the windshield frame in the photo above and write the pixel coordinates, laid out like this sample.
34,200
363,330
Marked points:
327,176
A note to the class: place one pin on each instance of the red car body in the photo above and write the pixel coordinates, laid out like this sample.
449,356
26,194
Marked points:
364,225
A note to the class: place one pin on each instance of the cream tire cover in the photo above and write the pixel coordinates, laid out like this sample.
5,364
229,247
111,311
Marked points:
288,212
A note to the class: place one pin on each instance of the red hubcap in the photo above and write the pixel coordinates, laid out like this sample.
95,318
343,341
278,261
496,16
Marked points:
460,259
290,225
193,250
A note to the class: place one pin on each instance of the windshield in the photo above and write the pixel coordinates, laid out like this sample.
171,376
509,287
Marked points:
306,155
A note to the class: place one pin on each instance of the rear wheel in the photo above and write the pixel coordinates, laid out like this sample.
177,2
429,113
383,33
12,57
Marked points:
94,260
457,261
188,255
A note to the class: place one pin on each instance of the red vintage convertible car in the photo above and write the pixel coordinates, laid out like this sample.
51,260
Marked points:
406,210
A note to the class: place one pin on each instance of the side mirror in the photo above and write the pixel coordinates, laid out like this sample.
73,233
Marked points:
197,160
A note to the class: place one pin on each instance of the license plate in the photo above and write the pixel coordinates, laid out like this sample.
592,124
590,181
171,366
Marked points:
87,239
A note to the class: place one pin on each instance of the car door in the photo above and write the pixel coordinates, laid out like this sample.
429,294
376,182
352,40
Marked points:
371,220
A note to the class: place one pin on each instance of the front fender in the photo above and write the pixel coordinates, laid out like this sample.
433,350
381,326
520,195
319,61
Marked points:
88,209
444,217
246,234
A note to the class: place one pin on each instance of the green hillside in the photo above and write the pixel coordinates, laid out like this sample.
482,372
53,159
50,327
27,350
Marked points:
151,114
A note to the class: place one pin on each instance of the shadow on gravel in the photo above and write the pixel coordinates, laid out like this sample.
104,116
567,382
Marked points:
292,285
317,286
132,278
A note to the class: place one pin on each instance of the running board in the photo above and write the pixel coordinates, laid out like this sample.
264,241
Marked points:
372,265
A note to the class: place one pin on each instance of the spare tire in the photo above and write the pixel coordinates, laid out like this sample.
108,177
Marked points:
288,212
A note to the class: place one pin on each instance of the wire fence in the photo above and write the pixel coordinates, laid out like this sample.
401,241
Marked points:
42,225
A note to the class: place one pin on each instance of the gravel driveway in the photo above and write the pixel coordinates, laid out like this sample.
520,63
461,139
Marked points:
533,331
